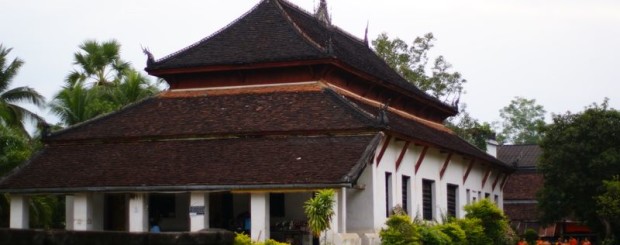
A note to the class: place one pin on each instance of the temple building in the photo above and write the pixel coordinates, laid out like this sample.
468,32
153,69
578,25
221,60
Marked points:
259,116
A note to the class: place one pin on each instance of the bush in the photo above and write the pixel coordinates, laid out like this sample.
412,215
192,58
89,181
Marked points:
455,232
530,236
493,220
474,231
400,230
432,235
243,239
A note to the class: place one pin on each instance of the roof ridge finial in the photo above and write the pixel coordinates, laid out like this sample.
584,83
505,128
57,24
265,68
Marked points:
366,34
322,13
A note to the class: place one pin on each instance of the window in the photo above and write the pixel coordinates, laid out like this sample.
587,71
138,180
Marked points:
452,199
497,199
406,193
388,193
427,199
468,196
487,196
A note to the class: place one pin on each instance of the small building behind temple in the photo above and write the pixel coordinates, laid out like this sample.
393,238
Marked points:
259,116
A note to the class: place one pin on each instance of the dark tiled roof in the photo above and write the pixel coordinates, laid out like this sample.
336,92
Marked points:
521,212
232,114
278,161
278,31
521,156
425,133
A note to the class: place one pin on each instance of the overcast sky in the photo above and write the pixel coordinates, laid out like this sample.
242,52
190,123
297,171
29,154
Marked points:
563,53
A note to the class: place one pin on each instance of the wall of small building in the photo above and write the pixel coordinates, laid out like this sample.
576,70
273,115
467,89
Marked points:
367,210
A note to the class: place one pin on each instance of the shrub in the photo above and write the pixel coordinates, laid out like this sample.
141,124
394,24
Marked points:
493,220
530,236
243,239
432,235
474,231
400,230
455,232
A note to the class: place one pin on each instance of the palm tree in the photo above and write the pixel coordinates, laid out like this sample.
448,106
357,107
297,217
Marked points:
11,114
132,88
75,104
100,63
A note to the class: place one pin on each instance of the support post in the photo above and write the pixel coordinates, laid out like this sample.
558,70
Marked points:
138,212
69,212
83,212
199,211
19,218
259,215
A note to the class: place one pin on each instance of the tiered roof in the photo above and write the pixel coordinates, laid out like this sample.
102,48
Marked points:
296,135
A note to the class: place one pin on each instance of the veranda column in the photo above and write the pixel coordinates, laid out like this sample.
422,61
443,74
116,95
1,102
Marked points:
19,212
69,212
336,219
259,211
82,212
198,211
342,210
138,212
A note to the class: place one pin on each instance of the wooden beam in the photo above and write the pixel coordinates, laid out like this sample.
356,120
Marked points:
495,181
383,148
445,166
503,184
471,164
420,159
486,176
402,154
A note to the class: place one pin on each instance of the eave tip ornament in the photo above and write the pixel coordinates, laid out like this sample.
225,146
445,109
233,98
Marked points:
322,14
149,57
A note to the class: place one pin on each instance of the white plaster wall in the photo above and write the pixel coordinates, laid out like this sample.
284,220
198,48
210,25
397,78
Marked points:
359,200
360,204
19,217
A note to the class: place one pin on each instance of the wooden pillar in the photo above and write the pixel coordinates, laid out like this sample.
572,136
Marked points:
199,211
19,218
259,211
138,212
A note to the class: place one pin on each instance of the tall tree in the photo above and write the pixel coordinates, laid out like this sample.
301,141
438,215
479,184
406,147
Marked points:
470,129
101,83
12,114
98,63
580,152
411,62
522,121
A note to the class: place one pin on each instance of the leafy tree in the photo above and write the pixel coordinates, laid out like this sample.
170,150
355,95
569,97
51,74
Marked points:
522,120
411,62
495,223
433,235
580,152
455,232
470,129
608,204
102,83
319,211
11,114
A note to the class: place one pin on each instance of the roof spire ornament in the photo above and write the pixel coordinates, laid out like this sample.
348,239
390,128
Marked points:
149,57
366,34
322,14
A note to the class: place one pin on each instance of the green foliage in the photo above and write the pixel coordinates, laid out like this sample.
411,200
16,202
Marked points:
608,203
474,231
400,231
433,235
11,114
522,121
580,152
411,62
530,236
319,211
495,223
243,239
455,232
470,129
102,83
